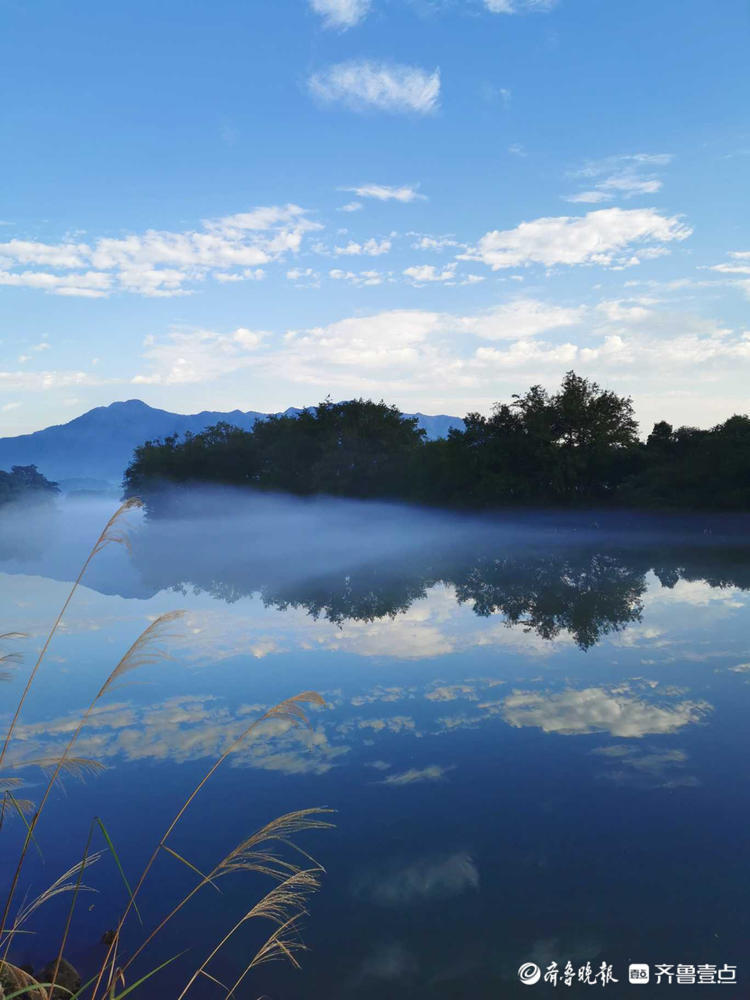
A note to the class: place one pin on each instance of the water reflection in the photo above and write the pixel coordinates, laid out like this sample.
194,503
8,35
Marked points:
184,728
598,710
340,561
532,728
585,592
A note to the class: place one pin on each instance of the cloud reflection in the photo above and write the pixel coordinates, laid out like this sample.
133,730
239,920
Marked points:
649,767
434,772
180,729
428,878
599,710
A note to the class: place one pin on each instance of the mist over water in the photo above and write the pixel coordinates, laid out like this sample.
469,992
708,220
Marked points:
532,731
208,536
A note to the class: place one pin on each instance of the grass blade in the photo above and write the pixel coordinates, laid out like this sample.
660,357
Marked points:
111,846
149,975
29,830
179,857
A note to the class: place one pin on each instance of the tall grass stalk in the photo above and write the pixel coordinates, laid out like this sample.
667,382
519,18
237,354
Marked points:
144,650
284,905
108,535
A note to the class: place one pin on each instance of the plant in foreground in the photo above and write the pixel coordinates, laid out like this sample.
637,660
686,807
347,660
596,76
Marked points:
269,851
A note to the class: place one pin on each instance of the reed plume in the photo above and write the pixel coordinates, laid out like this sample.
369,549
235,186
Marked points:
284,906
290,709
7,659
62,884
113,533
262,852
147,648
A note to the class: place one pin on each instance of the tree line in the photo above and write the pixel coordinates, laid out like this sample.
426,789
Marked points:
573,447
25,482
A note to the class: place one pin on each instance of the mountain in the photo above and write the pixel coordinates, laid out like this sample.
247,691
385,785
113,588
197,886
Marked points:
98,445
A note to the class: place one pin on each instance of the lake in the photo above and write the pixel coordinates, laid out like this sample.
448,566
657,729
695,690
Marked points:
535,738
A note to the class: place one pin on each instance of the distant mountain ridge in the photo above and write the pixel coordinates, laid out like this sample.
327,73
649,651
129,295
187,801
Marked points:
98,445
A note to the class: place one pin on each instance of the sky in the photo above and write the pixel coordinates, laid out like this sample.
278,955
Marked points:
225,204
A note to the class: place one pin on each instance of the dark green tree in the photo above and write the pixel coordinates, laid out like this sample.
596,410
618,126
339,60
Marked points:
25,482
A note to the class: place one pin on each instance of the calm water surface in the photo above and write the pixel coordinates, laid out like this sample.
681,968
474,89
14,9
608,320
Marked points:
535,737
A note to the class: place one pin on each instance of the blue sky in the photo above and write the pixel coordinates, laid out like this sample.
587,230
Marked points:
437,202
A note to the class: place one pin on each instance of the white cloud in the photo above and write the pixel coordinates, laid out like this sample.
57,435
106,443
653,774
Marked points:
369,354
428,274
91,284
67,255
249,274
738,266
160,263
630,185
356,278
341,13
628,176
522,318
199,356
425,273
527,355
433,242
351,206
609,236
386,192
588,197
480,357
403,348
363,85
45,380
304,277
370,248
517,6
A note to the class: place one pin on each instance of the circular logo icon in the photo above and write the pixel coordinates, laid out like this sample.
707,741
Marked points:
529,973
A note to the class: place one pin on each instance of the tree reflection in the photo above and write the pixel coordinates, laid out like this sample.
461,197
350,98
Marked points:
341,561
365,595
585,591
586,595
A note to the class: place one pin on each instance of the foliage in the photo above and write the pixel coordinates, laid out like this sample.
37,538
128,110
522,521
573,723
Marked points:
25,482
357,448
689,467
566,447
575,447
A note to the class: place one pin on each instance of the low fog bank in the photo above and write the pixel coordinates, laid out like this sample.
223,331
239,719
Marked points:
232,542
53,540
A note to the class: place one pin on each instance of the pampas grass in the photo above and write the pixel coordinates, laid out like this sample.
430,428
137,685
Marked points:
270,852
